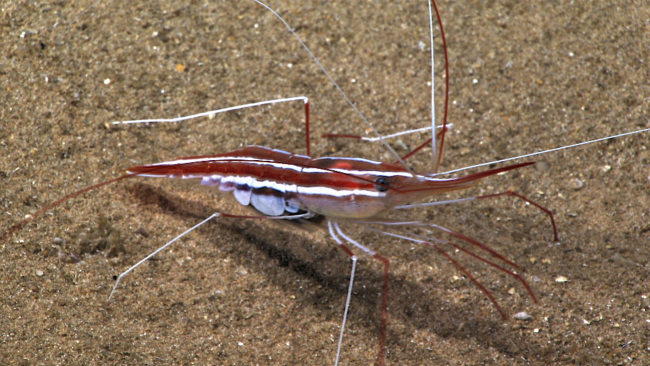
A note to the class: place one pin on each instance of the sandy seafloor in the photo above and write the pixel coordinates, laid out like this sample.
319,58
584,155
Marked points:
525,76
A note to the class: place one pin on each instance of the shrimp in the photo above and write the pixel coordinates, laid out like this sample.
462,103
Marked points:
230,295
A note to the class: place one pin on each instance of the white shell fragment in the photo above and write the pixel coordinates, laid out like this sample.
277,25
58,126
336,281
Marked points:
522,316
576,184
561,279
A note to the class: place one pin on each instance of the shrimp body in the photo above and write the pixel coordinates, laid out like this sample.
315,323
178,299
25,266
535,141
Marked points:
280,183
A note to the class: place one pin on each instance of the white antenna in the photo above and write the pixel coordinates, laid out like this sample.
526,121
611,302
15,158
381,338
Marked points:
390,149
544,151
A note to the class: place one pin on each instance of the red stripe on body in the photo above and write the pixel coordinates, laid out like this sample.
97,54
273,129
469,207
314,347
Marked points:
267,164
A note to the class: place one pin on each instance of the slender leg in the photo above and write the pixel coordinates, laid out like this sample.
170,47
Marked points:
485,260
383,327
515,194
217,111
453,233
307,143
431,242
385,137
56,203
214,215
506,193
347,300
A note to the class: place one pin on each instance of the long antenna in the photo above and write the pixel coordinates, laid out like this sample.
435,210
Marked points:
390,149
544,151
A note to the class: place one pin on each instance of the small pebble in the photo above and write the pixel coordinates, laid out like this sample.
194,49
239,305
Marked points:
542,166
39,272
142,231
68,258
58,241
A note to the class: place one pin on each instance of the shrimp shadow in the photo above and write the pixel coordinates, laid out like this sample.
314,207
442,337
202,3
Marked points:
327,268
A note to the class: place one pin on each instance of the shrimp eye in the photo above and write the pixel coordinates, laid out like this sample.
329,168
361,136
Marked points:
382,184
